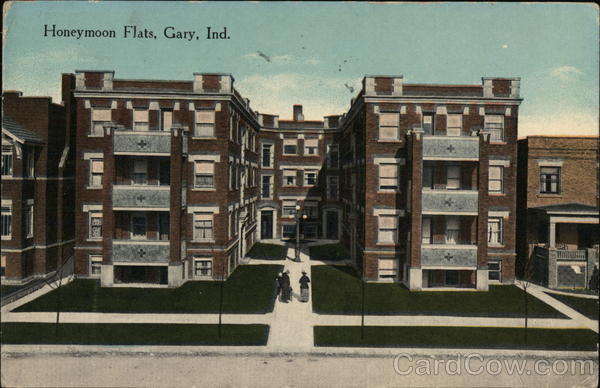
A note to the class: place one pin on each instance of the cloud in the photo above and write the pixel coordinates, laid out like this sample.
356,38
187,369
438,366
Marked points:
560,123
565,73
277,93
504,46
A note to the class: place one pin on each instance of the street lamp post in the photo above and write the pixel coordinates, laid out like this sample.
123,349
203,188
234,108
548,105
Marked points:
298,217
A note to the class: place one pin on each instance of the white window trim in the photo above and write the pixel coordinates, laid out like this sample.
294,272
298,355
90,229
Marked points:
500,231
89,236
197,258
8,204
194,237
91,262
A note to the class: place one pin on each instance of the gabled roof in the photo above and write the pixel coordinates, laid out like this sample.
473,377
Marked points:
18,132
568,208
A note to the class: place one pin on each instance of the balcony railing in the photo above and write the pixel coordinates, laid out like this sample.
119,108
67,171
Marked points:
450,200
141,197
448,147
571,255
449,255
147,142
125,251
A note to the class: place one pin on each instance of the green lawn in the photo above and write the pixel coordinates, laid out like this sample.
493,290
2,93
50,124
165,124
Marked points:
586,306
460,337
5,290
133,334
267,251
331,252
250,289
337,290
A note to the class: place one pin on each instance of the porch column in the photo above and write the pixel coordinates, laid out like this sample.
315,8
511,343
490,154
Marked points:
552,234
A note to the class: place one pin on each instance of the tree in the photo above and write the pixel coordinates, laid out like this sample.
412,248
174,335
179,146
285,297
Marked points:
525,282
55,282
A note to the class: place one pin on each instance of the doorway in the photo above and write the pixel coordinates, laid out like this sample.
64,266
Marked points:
331,223
266,224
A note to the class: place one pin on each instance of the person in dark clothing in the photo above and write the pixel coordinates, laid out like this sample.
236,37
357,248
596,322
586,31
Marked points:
286,289
278,284
304,280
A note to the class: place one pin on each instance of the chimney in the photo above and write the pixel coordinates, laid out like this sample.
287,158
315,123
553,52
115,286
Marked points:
298,116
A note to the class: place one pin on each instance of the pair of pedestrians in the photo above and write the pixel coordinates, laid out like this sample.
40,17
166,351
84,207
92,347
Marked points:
284,288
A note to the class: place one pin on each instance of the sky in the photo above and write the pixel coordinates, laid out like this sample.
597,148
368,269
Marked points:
316,54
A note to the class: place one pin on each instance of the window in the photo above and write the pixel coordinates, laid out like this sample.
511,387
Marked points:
452,230
164,172
388,126
95,225
311,209
95,265
495,231
29,162
140,172
495,124
428,177
311,146
163,226
29,221
309,231
426,231
2,265
140,120
265,191
289,177
333,156
204,172
453,177
289,208
332,187
205,123
290,146
310,178
495,178
388,229
454,125
388,268
7,160
96,172
138,226
388,176
549,180
428,123
203,266
166,120
266,155
6,222
203,226
289,231
100,118
494,270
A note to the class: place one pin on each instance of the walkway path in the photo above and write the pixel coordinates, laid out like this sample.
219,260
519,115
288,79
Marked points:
291,324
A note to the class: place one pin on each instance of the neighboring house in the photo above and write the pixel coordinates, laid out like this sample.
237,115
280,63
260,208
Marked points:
37,225
558,232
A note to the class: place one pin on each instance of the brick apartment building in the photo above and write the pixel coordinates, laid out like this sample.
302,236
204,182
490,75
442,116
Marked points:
167,177
299,167
558,233
37,187
176,180
428,181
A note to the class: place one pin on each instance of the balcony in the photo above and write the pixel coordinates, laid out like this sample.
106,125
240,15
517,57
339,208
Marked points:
448,147
449,201
449,255
138,197
141,251
147,142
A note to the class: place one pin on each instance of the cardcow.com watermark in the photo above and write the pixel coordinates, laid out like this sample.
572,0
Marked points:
476,364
